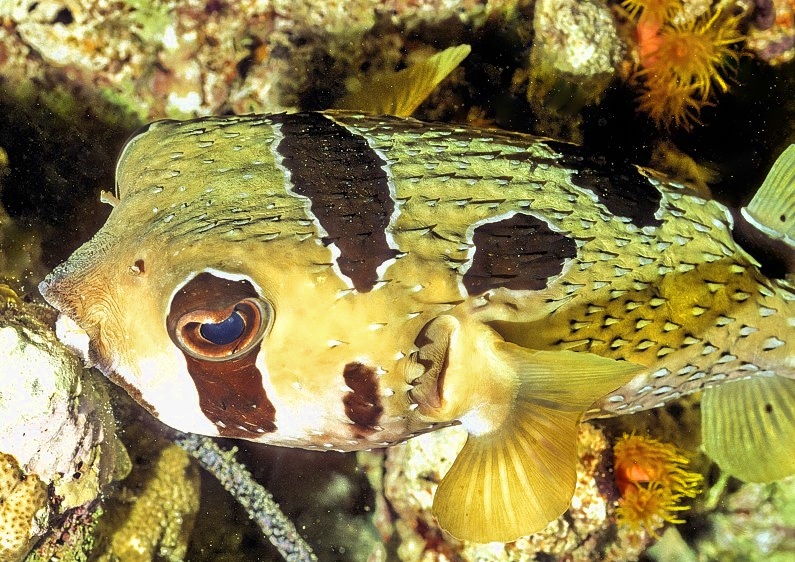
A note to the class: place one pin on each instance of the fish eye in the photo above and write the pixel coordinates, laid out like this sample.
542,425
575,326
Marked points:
213,317
224,333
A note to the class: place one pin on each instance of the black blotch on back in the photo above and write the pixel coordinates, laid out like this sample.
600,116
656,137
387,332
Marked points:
618,184
520,253
348,187
362,404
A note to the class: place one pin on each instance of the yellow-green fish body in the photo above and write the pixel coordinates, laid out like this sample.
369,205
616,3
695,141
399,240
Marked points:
335,280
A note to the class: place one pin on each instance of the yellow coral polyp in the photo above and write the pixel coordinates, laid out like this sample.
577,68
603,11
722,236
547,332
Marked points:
653,481
694,54
681,64
652,10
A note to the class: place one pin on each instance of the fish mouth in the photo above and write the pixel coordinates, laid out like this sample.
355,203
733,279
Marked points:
74,327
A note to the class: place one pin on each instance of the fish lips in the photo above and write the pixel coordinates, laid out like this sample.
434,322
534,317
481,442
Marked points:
82,336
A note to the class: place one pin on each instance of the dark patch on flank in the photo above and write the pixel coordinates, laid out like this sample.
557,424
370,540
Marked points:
618,185
362,404
345,181
231,392
520,253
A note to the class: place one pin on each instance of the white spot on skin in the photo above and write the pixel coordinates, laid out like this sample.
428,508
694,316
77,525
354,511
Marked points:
723,321
663,351
772,343
687,369
748,330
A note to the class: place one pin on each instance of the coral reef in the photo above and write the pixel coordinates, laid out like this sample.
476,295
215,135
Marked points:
585,532
165,58
151,515
55,423
56,419
23,506
574,54
772,33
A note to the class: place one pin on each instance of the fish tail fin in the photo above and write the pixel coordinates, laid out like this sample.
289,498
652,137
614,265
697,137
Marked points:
512,481
772,210
748,427
400,93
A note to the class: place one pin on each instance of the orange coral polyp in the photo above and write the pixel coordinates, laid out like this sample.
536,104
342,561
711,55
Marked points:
653,482
681,64
695,56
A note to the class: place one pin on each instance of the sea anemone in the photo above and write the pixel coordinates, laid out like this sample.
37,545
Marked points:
681,64
653,482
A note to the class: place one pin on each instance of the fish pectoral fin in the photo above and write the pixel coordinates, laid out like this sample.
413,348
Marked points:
772,210
400,93
748,427
514,480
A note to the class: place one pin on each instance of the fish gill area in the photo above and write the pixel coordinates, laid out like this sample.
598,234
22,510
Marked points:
85,474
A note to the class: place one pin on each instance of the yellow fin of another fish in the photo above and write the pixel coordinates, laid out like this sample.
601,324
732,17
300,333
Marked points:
772,210
515,480
748,427
400,93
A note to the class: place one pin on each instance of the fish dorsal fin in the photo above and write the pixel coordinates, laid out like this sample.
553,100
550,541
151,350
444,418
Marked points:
772,210
516,479
748,427
400,93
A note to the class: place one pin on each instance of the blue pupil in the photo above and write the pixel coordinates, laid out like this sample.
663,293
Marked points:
224,332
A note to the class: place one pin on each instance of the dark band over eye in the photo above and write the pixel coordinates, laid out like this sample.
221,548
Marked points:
219,324
217,319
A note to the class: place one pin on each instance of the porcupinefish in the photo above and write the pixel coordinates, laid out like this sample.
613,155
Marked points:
340,281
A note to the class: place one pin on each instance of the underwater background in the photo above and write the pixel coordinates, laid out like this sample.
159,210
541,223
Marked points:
78,77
